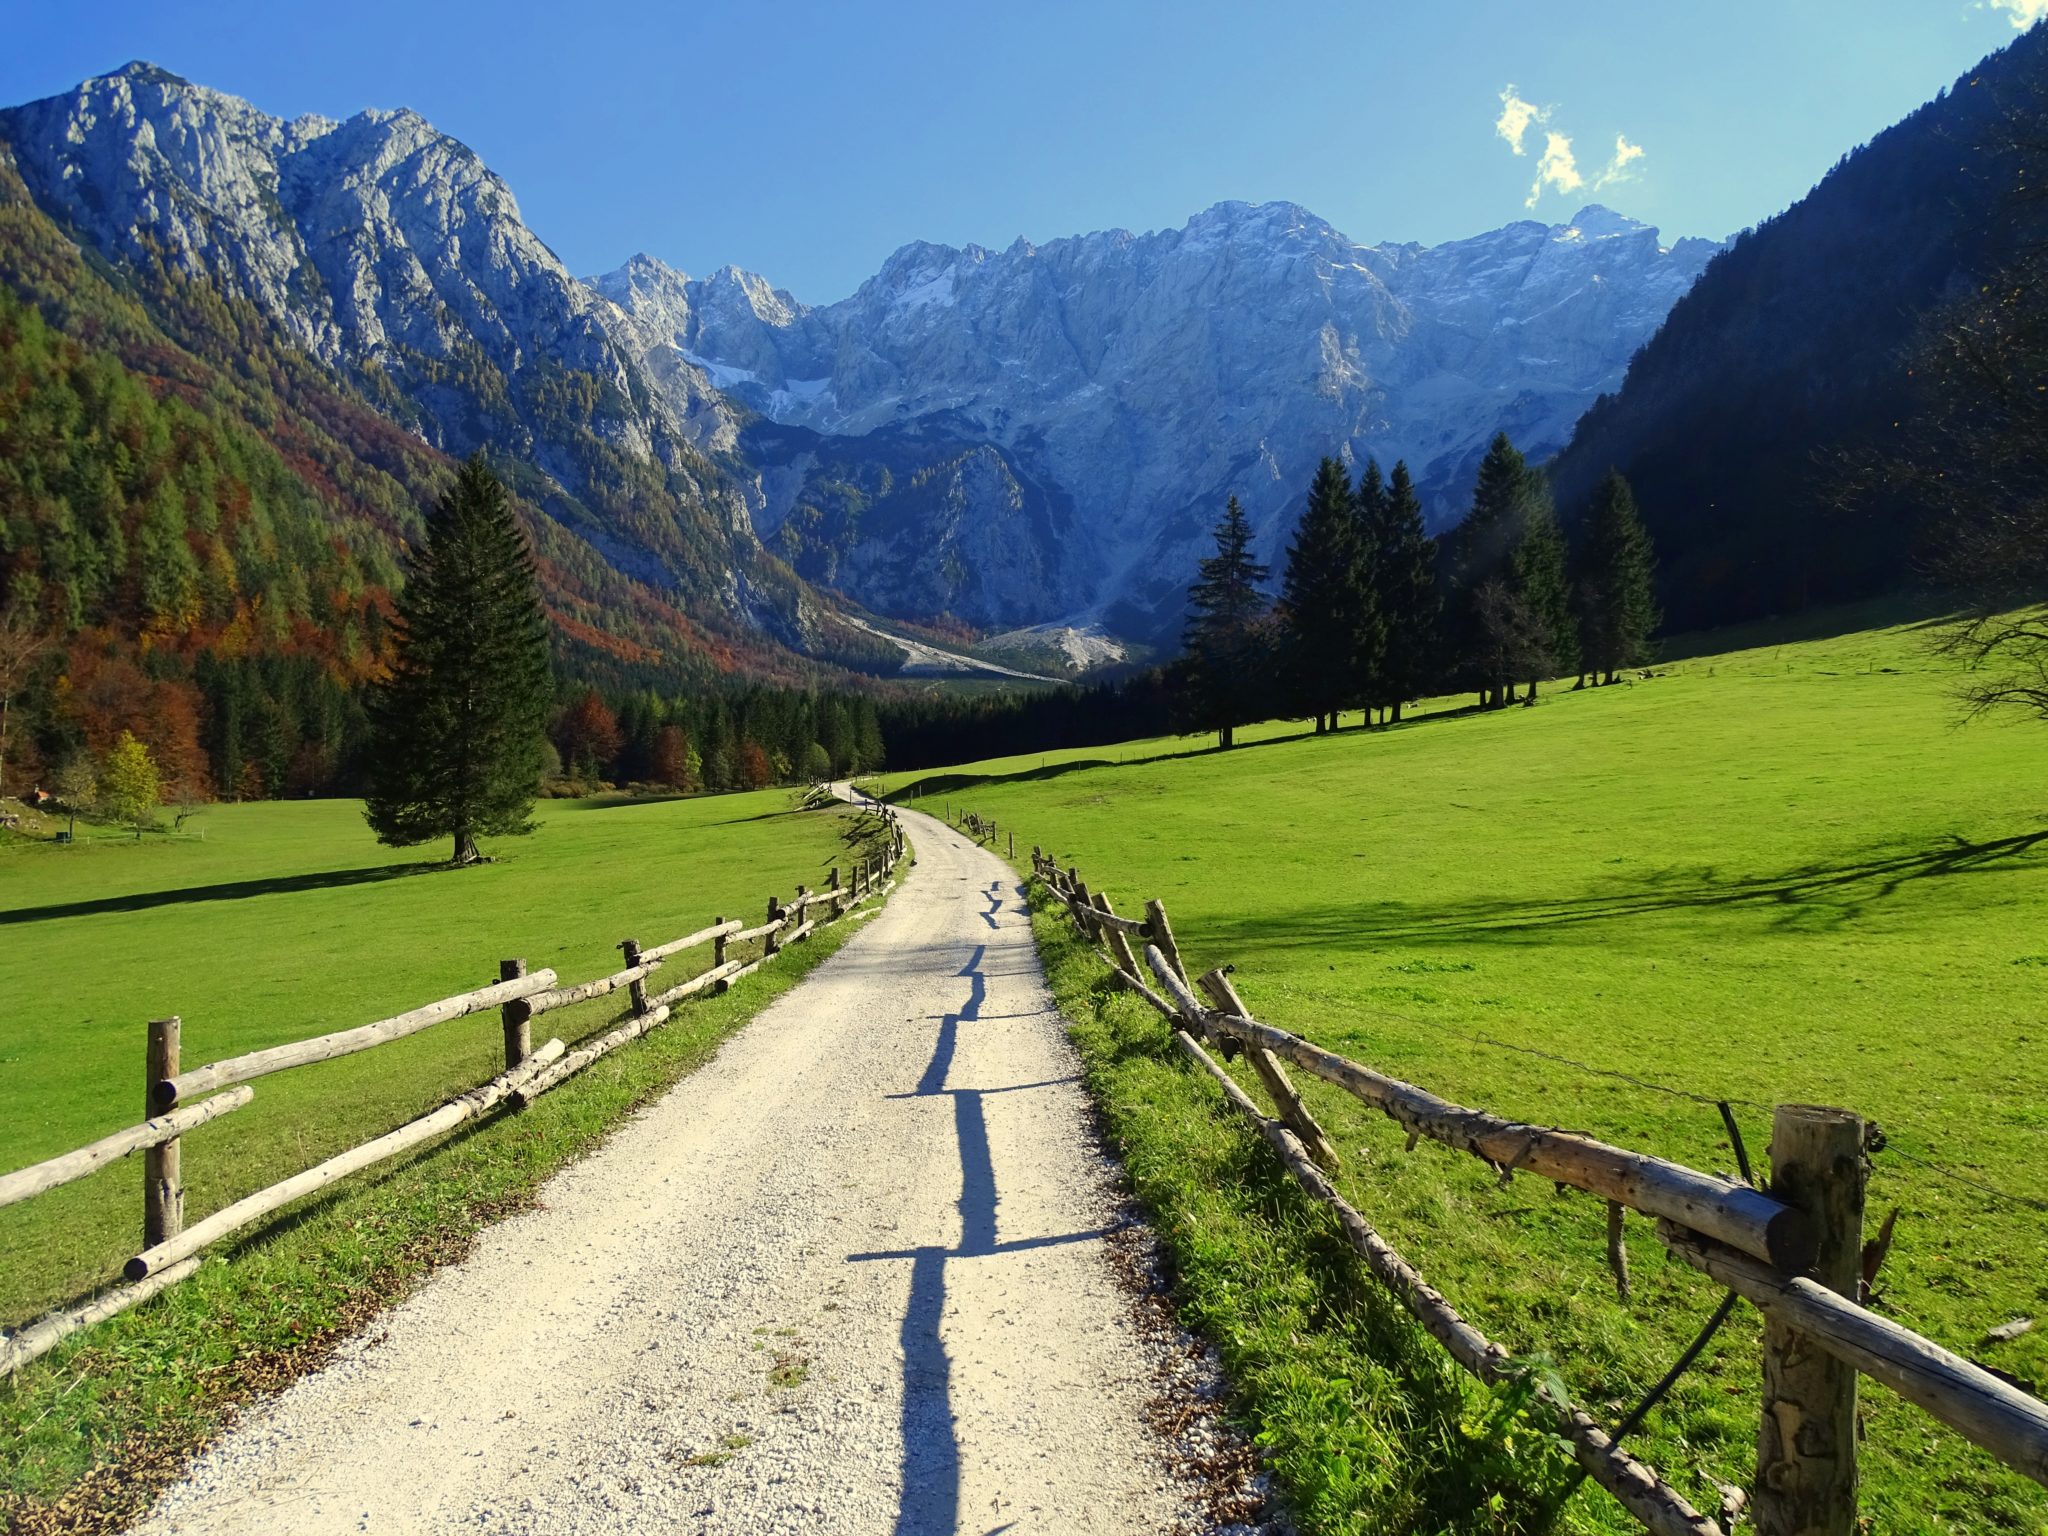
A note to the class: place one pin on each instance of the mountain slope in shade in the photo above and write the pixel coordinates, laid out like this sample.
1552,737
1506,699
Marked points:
1787,361
1132,382
392,255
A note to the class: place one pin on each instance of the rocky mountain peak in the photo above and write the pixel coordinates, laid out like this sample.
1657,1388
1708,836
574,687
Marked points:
1136,380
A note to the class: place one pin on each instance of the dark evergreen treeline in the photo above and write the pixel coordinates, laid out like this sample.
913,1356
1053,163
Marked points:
1372,614
938,730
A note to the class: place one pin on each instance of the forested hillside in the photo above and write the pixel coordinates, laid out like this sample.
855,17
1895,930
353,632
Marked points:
1788,362
205,533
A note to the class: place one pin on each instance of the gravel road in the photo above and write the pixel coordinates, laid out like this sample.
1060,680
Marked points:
851,1276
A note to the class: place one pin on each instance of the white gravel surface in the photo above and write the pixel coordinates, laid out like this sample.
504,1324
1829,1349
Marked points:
848,1277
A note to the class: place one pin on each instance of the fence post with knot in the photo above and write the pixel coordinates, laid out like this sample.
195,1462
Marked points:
514,1017
1806,1443
163,1180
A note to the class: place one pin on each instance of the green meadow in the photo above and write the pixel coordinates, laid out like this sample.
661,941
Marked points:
1784,874
289,920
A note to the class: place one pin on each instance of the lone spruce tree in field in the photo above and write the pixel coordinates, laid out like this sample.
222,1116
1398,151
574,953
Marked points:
1324,601
457,729
1405,589
1616,596
1224,636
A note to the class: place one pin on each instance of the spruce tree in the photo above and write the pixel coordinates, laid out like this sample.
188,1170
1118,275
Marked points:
1541,583
1223,638
1405,585
1479,554
1369,651
1323,601
1617,604
457,728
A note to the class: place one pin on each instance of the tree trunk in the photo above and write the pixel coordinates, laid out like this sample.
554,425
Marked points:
1532,690
465,849
1227,737
1395,713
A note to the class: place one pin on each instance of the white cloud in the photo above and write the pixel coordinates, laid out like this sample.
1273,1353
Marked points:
1627,154
2022,13
1516,114
1558,168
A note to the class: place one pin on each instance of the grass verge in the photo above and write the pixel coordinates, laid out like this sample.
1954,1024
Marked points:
89,1432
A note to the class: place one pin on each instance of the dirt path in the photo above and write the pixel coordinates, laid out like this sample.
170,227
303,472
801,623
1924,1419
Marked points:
849,1277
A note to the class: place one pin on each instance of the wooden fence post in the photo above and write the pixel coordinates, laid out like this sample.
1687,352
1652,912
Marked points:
1162,935
1286,1097
768,944
163,1183
833,882
1119,946
1806,1443
1084,913
637,990
718,944
517,1021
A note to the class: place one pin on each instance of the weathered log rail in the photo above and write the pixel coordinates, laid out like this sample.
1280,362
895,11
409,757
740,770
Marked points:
1791,1250
171,1250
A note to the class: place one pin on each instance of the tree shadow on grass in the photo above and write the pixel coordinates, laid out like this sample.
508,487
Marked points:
1806,898
944,782
230,890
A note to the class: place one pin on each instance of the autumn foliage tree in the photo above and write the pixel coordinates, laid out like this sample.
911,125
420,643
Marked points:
671,758
588,736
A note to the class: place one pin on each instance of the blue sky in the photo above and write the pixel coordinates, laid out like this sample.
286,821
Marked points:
808,140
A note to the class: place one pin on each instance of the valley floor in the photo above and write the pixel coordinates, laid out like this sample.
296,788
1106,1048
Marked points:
852,1275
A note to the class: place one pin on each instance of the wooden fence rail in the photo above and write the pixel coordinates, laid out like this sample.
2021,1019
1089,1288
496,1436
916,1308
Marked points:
170,1249
1791,1251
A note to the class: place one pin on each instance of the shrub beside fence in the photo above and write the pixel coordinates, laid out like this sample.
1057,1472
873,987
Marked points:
171,1250
1794,1250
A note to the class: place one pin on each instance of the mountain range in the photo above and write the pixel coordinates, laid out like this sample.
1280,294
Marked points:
1047,432
722,478
1040,435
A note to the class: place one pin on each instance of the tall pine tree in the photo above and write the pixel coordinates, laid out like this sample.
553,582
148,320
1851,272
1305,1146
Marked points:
1616,590
1324,602
457,728
1405,592
1479,554
1369,651
1224,639
1543,586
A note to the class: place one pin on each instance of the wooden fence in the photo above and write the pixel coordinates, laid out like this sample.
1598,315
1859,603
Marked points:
170,1250
1794,1251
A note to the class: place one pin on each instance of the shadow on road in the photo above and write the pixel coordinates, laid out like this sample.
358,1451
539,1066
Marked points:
931,1443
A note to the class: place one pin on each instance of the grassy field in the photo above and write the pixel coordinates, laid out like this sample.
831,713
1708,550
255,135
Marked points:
290,920
286,921
1780,875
